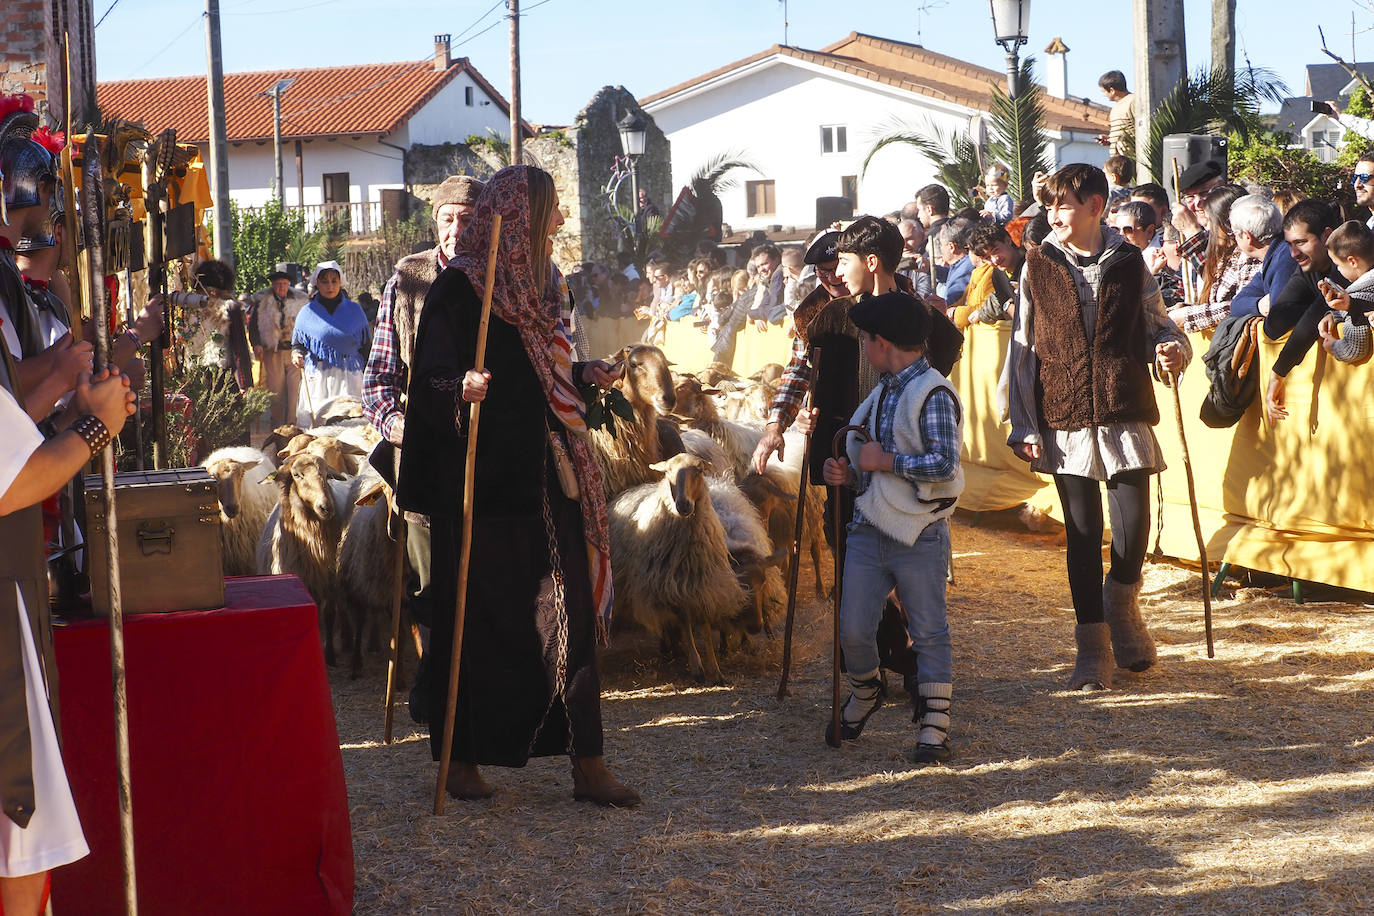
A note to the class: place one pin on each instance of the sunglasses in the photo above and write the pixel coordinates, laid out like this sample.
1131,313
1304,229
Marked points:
1360,178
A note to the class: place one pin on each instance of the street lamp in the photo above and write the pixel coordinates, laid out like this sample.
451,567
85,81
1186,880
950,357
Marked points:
275,95
1010,23
632,133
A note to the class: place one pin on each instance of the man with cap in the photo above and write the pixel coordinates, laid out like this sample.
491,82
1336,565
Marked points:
273,316
907,477
1190,212
384,380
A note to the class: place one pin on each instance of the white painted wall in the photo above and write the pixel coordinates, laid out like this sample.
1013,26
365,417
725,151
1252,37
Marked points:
773,113
370,167
447,118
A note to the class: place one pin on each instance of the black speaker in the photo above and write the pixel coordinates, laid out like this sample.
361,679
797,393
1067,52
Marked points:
830,209
1188,150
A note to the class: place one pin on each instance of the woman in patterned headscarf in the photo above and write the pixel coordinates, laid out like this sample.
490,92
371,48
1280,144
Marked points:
539,580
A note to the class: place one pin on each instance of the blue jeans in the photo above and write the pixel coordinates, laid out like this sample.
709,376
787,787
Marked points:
875,563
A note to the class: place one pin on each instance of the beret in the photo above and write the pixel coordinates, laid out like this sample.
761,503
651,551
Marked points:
897,317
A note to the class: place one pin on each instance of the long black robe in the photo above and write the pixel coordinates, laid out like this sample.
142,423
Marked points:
508,709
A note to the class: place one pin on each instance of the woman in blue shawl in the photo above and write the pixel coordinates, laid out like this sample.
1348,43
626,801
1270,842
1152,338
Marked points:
330,345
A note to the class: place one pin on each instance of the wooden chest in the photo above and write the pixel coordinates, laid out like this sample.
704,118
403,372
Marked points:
169,541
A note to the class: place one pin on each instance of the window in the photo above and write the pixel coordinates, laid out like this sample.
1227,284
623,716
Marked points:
467,95
760,198
834,139
849,187
335,187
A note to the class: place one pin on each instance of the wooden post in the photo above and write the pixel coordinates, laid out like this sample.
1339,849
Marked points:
516,140
465,549
795,571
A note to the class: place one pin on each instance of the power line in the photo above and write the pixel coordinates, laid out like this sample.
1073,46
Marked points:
478,21
167,47
108,10
294,9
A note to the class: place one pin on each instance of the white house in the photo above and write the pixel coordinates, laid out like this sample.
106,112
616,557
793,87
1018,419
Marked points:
1319,135
808,119
345,130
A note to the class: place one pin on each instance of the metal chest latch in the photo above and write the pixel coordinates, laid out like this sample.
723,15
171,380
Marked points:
155,537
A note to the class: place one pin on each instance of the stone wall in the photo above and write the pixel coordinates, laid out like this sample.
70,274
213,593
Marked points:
30,38
580,158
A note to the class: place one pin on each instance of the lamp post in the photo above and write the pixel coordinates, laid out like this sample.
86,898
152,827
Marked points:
275,95
1010,23
632,133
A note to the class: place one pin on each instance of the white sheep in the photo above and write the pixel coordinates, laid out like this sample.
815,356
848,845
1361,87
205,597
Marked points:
671,562
739,439
753,557
245,501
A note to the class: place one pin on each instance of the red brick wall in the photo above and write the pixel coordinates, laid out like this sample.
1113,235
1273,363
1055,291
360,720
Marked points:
23,47
31,50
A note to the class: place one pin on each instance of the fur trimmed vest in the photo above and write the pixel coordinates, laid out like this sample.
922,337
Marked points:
900,508
1100,381
415,274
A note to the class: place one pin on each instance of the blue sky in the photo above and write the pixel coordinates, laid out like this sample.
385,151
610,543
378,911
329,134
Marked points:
571,48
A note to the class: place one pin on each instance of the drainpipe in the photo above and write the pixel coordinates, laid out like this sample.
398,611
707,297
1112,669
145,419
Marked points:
405,168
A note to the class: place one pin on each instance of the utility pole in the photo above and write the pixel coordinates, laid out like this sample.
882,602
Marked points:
219,147
516,141
274,94
1224,35
1160,64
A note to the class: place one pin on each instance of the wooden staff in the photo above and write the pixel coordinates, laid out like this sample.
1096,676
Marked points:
93,218
465,549
393,663
794,573
1173,379
837,450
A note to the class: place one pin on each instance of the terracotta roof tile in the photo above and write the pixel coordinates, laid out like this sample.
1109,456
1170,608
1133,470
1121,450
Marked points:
914,69
324,101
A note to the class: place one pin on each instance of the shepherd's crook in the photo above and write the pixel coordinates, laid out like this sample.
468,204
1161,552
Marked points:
797,539
465,550
1197,522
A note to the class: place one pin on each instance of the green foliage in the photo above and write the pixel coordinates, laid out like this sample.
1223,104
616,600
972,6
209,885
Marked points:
1360,104
1019,138
493,143
1212,101
559,136
956,160
221,415
1353,145
1265,158
603,405
262,237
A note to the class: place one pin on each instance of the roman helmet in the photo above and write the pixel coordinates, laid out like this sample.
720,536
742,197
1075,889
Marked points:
25,163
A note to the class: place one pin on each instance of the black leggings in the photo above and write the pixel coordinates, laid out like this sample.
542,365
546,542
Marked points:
1128,501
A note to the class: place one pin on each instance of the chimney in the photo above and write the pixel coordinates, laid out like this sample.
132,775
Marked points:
442,60
1057,71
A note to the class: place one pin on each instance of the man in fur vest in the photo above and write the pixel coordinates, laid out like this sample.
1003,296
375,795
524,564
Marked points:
384,379
269,330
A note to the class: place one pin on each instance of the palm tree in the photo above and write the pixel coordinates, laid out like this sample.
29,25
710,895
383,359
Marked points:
1212,101
1019,138
957,164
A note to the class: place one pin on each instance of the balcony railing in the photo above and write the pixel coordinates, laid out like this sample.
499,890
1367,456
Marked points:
355,218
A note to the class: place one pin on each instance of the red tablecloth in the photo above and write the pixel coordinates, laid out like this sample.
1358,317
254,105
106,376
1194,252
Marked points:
238,787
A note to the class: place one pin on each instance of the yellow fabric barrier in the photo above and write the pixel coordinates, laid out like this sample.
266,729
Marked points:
1294,499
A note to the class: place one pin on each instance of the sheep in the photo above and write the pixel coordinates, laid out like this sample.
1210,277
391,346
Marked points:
752,555
341,456
774,494
367,565
694,401
245,502
624,451
696,442
277,440
303,531
768,374
670,561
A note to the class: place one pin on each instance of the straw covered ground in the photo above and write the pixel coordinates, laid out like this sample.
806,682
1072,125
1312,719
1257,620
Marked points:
1240,784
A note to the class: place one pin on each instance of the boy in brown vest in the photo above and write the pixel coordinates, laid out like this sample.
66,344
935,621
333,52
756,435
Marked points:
1089,325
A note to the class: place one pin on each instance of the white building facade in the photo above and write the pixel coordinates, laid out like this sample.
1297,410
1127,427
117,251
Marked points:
809,124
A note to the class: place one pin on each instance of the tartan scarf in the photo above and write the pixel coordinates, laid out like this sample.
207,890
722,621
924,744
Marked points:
543,318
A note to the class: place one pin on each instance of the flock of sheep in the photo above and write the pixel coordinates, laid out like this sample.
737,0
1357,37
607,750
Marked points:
700,543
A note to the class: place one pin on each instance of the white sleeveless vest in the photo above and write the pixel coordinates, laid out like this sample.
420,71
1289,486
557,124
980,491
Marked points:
898,507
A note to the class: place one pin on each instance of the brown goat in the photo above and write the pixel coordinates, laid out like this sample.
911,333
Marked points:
625,456
777,505
341,456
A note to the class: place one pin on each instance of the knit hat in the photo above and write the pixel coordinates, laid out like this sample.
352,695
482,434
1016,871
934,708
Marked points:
456,189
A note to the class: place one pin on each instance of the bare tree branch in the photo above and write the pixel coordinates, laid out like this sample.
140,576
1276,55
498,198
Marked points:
1348,68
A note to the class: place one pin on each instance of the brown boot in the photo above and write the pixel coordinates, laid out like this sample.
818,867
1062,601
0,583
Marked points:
1093,668
1131,641
465,782
593,782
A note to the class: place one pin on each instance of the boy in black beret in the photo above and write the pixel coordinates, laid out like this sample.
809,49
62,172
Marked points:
907,477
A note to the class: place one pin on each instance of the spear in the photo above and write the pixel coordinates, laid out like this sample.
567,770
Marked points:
93,222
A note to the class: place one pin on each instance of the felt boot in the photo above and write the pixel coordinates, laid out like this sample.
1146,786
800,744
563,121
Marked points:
865,696
1132,644
1093,668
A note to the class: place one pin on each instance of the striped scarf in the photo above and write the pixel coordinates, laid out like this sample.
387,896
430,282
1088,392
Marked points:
544,319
